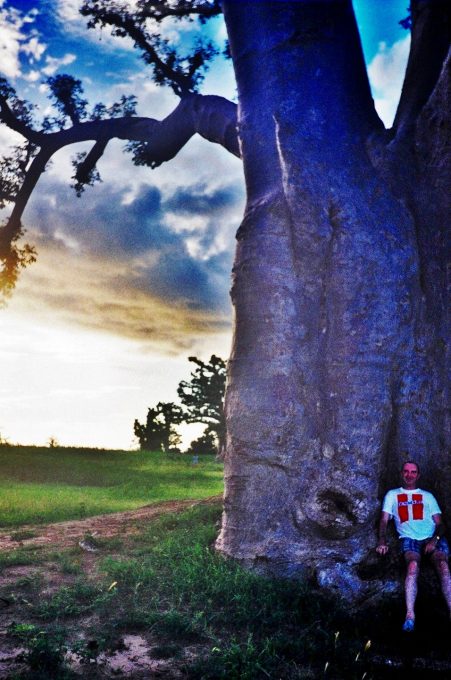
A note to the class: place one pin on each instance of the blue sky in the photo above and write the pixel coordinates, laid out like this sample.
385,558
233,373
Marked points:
134,276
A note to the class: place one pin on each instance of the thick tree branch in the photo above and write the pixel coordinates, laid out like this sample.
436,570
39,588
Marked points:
85,169
13,226
430,42
212,117
14,123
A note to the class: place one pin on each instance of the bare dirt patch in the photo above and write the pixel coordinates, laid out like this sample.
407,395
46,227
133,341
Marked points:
66,534
135,658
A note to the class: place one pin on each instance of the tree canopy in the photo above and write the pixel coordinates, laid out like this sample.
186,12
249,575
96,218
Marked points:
202,399
159,433
203,396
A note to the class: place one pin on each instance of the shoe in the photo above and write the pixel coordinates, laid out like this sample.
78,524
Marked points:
409,625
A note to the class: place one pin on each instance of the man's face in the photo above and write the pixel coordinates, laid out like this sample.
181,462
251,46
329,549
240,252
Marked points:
409,476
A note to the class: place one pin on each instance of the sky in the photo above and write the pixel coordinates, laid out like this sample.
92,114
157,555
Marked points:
134,276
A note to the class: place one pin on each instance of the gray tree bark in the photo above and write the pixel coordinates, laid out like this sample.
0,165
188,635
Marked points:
337,365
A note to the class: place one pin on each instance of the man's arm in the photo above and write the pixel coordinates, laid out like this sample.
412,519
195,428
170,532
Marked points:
438,533
382,547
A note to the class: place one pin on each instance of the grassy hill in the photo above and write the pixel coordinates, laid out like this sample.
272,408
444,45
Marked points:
41,485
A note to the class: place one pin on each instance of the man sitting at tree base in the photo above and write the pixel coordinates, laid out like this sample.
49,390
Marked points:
418,521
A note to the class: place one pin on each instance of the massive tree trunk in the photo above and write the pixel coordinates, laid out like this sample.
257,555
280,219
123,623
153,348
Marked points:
338,289
339,350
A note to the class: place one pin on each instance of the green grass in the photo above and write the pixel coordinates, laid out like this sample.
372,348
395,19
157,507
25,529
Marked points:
170,586
41,485
169,583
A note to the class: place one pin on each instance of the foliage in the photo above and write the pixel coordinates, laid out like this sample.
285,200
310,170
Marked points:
407,21
205,444
158,433
45,649
203,396
67,94
14,259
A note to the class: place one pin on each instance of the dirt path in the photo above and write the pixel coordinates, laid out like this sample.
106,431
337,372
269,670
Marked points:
134,657
64,534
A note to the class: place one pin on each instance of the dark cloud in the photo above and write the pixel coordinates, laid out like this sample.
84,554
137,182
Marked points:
198,199
100,221
149,252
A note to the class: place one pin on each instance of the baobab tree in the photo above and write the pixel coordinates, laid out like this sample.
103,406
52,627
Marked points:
339,348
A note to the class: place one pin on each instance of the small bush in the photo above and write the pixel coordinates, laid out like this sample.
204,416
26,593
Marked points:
45,649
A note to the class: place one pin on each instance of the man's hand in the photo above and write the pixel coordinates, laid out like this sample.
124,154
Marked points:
382,549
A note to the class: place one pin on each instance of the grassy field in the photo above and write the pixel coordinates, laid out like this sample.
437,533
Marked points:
41,485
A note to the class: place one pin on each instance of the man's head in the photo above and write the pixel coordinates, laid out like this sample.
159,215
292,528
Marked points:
410,473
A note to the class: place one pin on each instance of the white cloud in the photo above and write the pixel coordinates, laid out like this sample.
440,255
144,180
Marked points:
32,76
10,37
34,48
386,74
14,41
54,63
69,10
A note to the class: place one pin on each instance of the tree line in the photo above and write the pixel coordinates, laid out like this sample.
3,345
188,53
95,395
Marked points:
201,401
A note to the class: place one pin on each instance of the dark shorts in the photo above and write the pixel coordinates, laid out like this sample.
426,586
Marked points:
412,545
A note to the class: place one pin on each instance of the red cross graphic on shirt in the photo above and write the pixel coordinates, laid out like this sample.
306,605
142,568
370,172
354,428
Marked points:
416,504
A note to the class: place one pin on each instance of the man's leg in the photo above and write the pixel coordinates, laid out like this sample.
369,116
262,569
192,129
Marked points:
410,586
440,562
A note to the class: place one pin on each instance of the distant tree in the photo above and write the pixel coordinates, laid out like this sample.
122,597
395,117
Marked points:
205,444
4,441
203,396
158,433
53,443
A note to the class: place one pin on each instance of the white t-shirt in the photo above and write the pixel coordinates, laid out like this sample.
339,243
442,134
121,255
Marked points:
412,511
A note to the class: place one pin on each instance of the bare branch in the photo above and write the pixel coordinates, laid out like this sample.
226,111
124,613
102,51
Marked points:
85,171
430,42
182,74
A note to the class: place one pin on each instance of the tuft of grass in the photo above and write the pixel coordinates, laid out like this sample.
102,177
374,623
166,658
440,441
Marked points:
22,535
69,565
71,601
23,556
